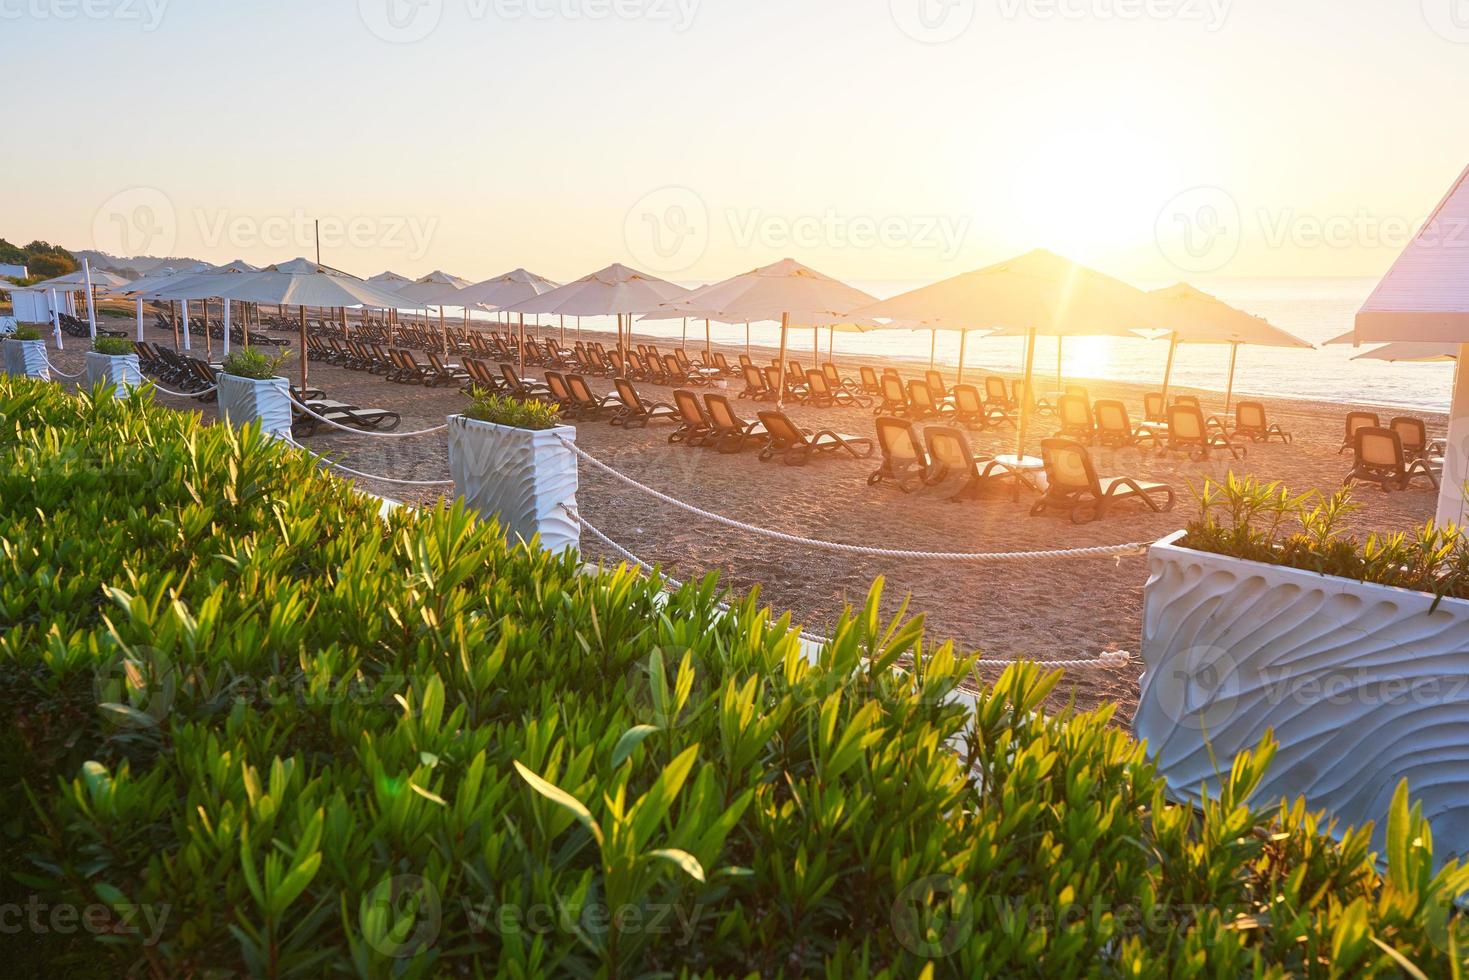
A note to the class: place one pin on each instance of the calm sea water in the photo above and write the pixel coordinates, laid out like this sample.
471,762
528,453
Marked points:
1313,309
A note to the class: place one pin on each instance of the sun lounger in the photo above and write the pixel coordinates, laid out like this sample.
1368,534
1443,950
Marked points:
795,446
923,405
522,388
1073,485
1189,433
693,423
1378,458
755,385
1250,422
1414,434
950,454
730,432
904,459
894,396
585,403
1075,414
1115,429
1355,421
635,411
823,395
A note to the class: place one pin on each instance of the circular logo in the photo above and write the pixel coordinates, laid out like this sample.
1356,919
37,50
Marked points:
400,21
1448,18
1198,687
932,21
136,221
933,917
401,917
1199,230
667,230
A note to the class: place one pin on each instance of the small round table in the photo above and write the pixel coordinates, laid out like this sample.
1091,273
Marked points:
1027,470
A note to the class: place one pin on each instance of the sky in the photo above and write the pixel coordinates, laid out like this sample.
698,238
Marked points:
876,140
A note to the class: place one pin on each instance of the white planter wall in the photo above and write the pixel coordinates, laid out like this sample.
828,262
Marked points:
1363,685
120,370
244,400
26,359
520,477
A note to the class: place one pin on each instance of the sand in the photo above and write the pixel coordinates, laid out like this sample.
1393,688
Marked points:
1054,609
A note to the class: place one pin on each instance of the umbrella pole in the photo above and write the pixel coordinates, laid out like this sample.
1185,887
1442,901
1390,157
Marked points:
188,331
1168,371
1229,392
521,345
140,319
963,338
303,350
226,317
708,343
933,346
208,334
563,330
785,323
173,314
444,331
747,339
831,344
684,343
1027,398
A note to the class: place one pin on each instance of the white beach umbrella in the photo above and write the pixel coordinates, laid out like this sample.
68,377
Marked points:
1411,350
617,291
786,291
302,283
1425,298
499,292
1040,294
1195,317
436,289
145,288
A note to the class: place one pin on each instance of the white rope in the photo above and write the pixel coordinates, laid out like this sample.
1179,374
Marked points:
1110,660
1101,551
181,394
366,432
369,476
52,365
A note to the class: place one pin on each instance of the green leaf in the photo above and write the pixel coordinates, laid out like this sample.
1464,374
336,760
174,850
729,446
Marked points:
561,798
629,741
687,862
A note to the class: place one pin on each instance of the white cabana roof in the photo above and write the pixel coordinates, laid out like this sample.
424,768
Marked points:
1425,295
1038,291
614,290
1411,350
149,286
1198,318
106,281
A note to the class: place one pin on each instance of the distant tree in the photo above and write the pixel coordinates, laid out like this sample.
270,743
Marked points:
11,254
50,264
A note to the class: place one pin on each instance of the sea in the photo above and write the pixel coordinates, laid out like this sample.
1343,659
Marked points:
1315,310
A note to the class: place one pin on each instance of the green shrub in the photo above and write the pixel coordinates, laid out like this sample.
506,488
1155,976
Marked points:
519,413
250,362
1264,522
267,732
115,346
26,333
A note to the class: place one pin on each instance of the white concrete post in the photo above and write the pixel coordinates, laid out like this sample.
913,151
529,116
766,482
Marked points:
91,305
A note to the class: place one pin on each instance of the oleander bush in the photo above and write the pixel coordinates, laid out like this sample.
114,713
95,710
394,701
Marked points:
518,413
253,727
252,362
114,346
1244,517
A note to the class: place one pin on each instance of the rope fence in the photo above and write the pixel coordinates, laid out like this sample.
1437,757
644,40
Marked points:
1100,551
180,394
323,460
1110,660
57,371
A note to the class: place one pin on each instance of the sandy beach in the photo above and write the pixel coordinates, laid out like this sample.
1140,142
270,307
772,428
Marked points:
1051,609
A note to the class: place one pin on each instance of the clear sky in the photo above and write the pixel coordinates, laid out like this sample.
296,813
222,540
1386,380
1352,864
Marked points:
874,139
